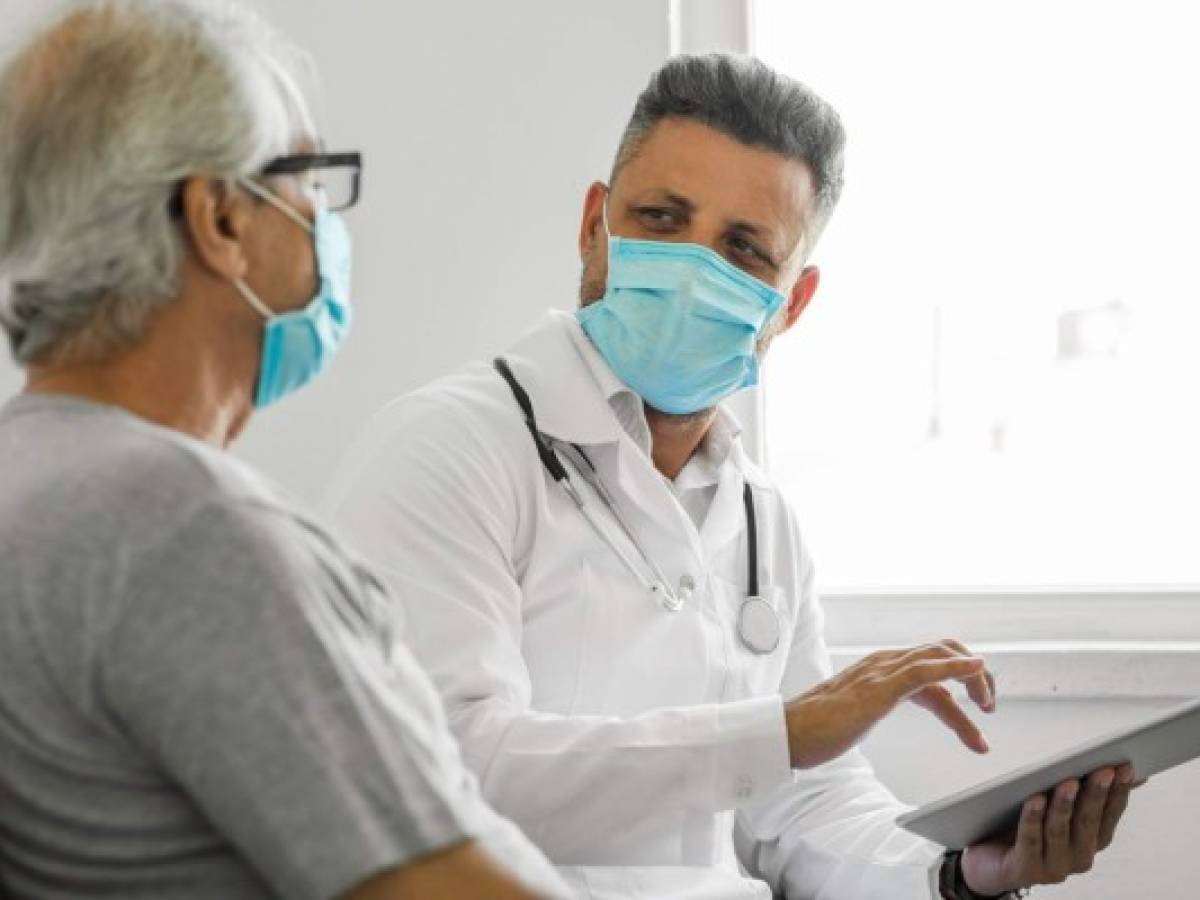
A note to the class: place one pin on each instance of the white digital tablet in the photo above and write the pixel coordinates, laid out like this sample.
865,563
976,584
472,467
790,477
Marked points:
993,807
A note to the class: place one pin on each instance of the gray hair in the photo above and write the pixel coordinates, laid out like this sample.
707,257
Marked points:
744,98
102,116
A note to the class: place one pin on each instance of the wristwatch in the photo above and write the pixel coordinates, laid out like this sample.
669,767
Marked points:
951,885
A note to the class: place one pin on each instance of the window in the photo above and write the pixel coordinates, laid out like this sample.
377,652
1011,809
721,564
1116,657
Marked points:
997,382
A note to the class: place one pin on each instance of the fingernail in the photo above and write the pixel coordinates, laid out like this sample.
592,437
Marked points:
1105,780
1071,791
1037,804
1127,776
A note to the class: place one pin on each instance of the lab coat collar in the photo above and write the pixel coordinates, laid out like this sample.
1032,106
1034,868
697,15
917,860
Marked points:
748,468
713,455
551,367
721,452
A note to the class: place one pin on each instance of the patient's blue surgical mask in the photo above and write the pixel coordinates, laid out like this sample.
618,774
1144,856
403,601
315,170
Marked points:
298,345
678,323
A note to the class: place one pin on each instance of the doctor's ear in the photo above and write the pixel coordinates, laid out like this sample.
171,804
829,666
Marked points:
591,228
216,220
801,295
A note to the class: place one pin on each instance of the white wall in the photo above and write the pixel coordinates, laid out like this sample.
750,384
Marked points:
482,125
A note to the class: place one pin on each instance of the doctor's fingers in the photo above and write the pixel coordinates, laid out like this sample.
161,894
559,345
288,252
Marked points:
980,686
939,701
984,690
1118,800
1029,850
1089,812
890,676
1059,854
905,679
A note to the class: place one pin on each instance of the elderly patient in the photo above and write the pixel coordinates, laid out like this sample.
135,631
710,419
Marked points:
201,693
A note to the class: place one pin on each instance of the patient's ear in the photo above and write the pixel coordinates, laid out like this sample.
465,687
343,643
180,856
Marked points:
216,222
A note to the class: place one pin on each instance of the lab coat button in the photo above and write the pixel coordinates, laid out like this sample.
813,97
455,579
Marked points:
744,788
687,585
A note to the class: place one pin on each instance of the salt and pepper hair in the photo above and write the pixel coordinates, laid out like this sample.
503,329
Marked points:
744,98
102,115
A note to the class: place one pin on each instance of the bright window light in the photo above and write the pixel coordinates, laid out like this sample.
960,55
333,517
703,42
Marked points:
996,384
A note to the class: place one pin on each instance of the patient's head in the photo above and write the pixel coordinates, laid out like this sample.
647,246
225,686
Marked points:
103,116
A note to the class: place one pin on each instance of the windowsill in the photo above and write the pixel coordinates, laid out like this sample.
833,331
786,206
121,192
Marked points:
1040,643
1081,671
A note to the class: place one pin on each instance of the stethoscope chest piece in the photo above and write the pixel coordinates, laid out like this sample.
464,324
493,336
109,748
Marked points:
758,625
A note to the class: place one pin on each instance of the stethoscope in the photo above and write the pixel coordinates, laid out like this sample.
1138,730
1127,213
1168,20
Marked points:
758,622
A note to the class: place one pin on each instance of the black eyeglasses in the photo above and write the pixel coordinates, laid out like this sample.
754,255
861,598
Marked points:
337,177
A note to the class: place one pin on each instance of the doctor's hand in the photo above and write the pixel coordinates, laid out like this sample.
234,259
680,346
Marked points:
1056,837
825,722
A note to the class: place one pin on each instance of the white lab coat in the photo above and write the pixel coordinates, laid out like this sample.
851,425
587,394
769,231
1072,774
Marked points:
643,750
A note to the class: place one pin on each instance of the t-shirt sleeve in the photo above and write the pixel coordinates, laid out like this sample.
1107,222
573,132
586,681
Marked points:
245,663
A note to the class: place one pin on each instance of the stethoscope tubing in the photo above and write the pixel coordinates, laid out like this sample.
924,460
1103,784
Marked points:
587,471
548,450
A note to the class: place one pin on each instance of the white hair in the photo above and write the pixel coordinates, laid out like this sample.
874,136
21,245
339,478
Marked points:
102,116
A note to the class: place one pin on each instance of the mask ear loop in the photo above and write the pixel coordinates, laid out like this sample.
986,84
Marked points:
268,196
250,297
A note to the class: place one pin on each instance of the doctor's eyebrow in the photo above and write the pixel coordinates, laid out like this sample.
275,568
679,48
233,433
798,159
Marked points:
680,201
661,196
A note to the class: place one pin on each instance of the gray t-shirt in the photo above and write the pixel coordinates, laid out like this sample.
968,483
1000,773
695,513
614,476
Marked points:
202,694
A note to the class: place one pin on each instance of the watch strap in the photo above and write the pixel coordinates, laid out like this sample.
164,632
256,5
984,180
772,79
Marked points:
951,885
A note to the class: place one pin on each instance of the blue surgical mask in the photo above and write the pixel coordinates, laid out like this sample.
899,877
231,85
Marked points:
678,323
298,345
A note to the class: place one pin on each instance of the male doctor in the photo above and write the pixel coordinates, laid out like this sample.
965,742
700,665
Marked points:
618,608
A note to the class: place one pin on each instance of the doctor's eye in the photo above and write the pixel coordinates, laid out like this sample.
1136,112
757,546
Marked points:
751,257
657,218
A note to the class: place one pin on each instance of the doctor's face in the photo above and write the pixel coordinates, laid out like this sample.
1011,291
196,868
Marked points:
689,183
